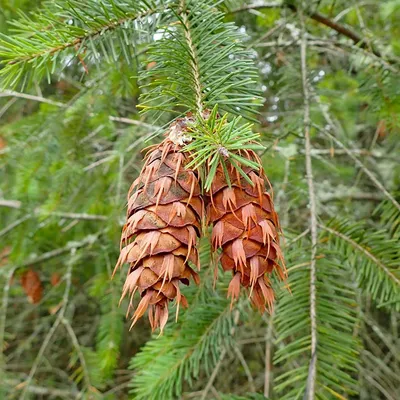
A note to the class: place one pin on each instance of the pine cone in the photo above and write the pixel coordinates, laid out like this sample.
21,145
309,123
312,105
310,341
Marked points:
246,227
30,281
163,223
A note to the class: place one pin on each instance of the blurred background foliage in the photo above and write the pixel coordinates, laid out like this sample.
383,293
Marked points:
70,142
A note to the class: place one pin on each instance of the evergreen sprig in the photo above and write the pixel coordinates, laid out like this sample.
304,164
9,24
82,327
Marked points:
200,62
41,42
337,348
217,140
375,257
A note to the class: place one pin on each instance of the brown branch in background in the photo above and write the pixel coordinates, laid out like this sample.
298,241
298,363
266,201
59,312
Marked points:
339,28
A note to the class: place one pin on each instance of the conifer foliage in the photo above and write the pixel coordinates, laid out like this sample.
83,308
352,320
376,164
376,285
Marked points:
302,93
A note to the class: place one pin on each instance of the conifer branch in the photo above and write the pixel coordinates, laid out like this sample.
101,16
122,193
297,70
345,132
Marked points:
39,40
310,392
363,250
200,62
77,42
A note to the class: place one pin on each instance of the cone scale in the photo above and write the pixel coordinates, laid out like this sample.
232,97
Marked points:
163,224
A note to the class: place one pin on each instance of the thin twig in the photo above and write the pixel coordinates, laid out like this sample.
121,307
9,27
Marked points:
245,368
11,93
50,333
14,225
298,237
340,195
4,305
45,391
88,240
213,375
268,356
10,203
83,216
78,349
340,152
133,122
7,106
310,391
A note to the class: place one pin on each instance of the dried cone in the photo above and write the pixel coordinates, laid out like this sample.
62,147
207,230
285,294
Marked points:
246,227
32,285
163,223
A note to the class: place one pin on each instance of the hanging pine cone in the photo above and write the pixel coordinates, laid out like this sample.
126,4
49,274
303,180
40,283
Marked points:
246,228
163,223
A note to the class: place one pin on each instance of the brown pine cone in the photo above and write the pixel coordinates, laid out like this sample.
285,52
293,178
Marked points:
163,223
246,228
30,281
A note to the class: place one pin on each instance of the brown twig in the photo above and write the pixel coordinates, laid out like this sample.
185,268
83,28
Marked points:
339,28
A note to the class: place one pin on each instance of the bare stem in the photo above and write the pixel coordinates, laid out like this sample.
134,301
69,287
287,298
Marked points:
78,349
268,356
310,392
3,311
